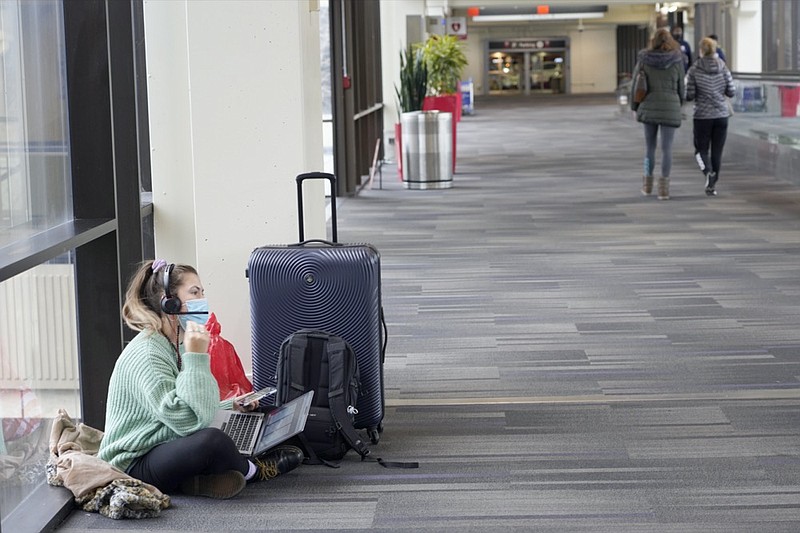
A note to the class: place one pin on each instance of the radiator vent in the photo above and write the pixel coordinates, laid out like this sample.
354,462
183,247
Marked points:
38,330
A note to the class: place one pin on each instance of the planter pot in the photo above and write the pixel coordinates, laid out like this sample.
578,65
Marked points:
449,103
790,98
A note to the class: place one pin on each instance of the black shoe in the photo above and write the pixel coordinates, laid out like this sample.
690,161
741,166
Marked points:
276,461
711,182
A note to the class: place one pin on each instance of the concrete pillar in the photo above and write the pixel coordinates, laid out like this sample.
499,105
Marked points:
235,114
747,38
393,40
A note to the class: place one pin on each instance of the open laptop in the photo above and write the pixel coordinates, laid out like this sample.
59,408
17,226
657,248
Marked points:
255,433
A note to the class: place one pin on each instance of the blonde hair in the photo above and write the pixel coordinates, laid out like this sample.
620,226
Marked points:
708,47
142,307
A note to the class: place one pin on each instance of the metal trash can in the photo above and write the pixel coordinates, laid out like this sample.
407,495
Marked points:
434,144
409,134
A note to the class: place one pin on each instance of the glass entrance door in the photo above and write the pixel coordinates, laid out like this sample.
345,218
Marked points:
547,72
506,72
526,66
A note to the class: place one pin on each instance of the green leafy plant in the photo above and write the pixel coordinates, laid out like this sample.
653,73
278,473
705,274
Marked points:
445,60
413,80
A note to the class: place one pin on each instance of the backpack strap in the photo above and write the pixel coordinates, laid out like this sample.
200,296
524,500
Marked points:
297,366
336,395
311,457
391,464
339,411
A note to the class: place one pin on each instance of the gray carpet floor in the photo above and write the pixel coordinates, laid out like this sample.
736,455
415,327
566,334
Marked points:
564,354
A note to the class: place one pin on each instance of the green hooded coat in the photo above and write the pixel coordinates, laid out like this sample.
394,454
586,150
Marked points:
665,89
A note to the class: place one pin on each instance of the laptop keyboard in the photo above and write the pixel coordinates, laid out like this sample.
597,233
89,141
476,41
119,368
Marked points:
240,428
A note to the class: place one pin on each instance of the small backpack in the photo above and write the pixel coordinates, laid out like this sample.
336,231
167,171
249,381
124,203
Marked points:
322,362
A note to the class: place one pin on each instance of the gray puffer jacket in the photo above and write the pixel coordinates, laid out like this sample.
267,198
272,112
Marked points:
708,82
665,89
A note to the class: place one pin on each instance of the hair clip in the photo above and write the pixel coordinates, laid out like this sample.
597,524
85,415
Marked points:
158,265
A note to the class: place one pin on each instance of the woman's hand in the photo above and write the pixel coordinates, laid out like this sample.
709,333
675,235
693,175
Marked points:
245,407
196,338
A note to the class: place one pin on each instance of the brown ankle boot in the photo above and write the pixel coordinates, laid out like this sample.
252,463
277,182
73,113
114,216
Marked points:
663,188
218,486
647,185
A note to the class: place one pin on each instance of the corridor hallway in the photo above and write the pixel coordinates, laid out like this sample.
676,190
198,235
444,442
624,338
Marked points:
563,353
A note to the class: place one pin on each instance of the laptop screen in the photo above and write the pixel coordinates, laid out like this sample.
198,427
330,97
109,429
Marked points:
284,422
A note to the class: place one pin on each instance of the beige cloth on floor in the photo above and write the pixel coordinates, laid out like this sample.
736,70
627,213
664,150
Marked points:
74,463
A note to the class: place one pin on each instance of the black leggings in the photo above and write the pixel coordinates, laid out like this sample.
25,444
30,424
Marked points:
209,451
711,133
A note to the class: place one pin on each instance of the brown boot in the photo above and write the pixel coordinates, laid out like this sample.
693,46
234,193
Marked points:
217,486
647,185
663,188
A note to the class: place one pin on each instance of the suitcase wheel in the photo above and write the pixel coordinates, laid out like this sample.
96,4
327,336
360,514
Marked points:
375,433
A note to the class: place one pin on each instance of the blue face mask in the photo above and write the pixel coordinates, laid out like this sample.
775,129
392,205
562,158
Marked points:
196,311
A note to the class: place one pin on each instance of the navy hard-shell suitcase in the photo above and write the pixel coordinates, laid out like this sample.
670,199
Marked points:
321,285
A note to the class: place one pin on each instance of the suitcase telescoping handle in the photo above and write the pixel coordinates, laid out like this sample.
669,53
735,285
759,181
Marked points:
316,176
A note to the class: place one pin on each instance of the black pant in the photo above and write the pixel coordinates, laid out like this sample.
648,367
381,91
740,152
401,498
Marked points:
209,451
710,133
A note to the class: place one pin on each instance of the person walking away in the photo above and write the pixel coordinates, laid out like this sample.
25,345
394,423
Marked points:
720,51
162,396
708,84
662,63
686,49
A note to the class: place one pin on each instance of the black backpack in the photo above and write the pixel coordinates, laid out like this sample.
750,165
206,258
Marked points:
318,361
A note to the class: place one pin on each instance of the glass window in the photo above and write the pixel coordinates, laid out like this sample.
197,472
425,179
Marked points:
35,184
38,328
38,371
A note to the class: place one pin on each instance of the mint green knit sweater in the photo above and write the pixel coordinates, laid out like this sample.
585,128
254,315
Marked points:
150,402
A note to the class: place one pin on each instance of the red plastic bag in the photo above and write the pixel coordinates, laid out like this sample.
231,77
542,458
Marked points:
225,364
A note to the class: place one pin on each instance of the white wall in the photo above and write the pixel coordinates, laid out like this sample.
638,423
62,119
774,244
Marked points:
473,47
747,37
393,40
593,60
235,114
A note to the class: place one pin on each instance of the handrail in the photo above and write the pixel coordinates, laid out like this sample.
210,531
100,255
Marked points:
767,76
368,111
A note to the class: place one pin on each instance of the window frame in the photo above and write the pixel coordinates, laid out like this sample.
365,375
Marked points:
112,228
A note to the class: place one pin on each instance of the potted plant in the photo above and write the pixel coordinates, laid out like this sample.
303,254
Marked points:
410,94
445,61
413,80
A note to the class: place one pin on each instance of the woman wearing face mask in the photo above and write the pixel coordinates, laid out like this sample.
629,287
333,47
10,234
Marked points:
162,395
